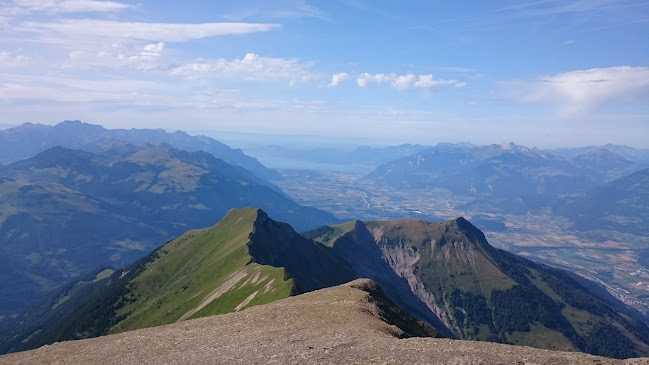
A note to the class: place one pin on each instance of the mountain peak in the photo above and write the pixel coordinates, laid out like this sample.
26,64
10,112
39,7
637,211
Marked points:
311,264
71,122
77,125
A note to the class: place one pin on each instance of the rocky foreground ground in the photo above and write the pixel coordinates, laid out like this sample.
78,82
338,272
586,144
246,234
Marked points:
352,323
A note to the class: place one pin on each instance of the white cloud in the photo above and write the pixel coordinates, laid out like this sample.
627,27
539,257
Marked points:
250,67
365,78
118,55
405,82
69,6
9,60
65,30
152,50
336,79
586,90
427,81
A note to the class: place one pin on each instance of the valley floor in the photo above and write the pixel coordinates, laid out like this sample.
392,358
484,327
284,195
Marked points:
340,325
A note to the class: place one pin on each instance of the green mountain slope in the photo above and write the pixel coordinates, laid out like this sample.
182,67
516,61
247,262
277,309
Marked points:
163,184
245,260
50,234
482,293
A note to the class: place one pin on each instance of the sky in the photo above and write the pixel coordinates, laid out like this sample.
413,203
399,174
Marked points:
543,73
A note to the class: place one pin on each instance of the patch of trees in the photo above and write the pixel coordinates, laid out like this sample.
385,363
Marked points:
324,234
471,310
516,308
606,340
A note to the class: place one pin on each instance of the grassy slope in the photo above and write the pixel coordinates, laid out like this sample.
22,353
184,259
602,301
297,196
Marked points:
36,217
328,234
190,268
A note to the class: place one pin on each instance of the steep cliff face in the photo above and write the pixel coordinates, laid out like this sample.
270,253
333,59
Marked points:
438,260
358,247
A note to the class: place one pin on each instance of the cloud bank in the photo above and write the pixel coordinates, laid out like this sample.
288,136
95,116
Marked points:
405,82
250,67
166,32
63,6
587,90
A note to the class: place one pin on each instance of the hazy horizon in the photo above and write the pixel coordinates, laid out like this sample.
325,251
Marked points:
246,140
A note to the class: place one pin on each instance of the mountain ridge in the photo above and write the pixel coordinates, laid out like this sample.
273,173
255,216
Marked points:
219,269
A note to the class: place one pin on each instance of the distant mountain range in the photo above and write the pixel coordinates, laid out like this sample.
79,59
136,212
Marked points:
509,177
638,155
28,139
621,205
444,273
65,212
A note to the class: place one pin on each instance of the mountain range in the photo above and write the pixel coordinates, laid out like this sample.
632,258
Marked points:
638,155
82,209
445,274
28,139
65,212
621,205
505,177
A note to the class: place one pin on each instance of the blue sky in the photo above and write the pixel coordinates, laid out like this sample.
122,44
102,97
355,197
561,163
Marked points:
542,73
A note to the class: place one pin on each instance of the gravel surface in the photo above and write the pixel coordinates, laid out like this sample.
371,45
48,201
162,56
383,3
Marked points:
340,325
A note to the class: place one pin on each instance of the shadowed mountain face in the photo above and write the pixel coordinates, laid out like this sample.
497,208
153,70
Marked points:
622,205
507,176
245,260
66,212
483,293
29,139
